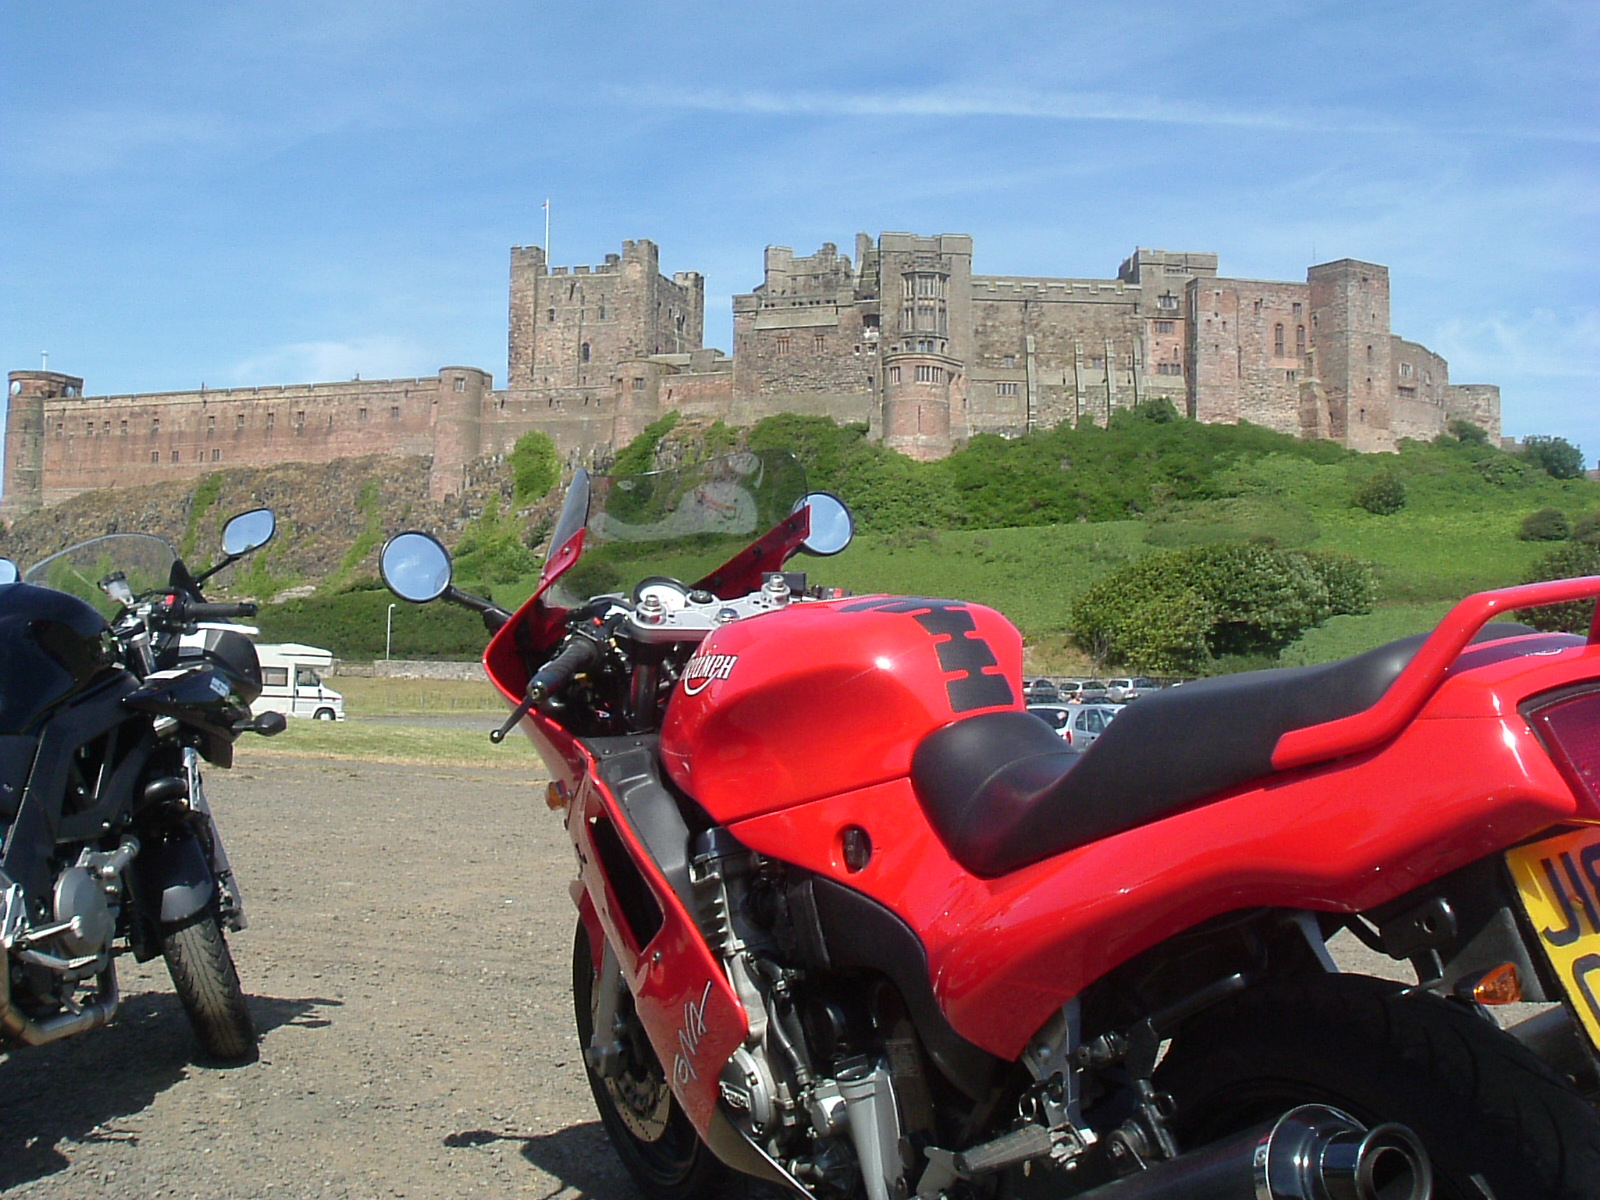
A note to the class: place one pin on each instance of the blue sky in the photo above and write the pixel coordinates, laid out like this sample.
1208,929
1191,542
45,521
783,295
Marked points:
273,193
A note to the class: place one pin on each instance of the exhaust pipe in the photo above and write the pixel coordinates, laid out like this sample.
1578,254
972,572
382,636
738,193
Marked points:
99,1011
1310,1153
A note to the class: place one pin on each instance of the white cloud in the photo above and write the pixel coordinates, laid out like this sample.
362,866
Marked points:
378,357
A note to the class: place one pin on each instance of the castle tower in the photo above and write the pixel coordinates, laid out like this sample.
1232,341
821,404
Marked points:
457,427
1350,333
924,404
24,462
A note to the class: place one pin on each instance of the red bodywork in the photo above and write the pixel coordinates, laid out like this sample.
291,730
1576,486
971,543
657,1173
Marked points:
807,727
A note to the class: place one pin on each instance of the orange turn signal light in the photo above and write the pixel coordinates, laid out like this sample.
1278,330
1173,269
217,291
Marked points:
1497,985
555,796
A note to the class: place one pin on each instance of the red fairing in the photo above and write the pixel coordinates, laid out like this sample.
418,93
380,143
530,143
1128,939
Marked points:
831,696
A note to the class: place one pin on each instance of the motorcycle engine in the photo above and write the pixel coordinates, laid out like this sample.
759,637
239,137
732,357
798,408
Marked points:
80,903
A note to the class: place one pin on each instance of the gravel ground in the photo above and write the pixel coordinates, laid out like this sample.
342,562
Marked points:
408,967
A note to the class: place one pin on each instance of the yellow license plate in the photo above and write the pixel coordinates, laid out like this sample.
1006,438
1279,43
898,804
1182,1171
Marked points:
1558,882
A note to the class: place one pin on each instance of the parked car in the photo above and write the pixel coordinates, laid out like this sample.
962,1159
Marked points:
1089,722
1092,691
1057,716
1040,691
1121,691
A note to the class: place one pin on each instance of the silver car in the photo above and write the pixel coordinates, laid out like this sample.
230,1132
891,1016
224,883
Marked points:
1078,724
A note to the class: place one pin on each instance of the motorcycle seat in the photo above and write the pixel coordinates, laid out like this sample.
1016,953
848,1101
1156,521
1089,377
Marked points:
1003,792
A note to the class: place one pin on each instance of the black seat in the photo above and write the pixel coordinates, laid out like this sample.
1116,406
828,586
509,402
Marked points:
1003,791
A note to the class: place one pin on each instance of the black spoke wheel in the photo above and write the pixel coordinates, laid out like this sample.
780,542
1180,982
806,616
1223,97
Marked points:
645,1123
1497,1123
207,983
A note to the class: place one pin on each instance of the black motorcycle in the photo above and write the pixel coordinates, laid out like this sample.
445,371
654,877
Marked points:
116,679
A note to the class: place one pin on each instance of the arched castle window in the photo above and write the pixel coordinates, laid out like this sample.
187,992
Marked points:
1277,340
1300,339
583,353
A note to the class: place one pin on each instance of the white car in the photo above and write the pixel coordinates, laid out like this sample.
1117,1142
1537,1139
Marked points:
1078,724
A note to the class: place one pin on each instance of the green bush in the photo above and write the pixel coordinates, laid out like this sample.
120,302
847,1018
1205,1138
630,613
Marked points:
1586,528
1465,431
1566,562
1555,456
1180,610
1502,470
353,625
639,455
1383,494
535,467
1546,525
491,548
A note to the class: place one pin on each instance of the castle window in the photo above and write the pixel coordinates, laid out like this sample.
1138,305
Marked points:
1005,389
361,417
1300,339
783,343
238,421
1369,353
819,341
88,429
894,374
638,383
211,425
300,422
1169,368
1297,311
174,456
1166,301
583,353
394,412
61,427
122,428
1291,375
1009,362
930,374
602,312
272,420
1277,340
155,426
1165,326
155,456
551,316
1096,360
1405,370
216,454
460,383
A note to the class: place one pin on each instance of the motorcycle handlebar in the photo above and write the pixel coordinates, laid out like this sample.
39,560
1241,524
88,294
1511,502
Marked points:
204,611
579,654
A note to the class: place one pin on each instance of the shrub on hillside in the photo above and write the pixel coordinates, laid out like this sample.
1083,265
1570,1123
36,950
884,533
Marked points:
1178,611
535,467
1586,528
1565,562
1383,494
1465,431
1502,470
491,548
1546,525
1555,456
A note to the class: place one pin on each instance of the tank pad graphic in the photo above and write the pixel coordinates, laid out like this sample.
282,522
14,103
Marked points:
958,646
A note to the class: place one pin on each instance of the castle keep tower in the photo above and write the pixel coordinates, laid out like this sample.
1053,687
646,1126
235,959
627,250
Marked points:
1350,333
24,463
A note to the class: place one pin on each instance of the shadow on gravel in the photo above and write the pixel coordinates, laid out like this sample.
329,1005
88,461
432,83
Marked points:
579,1156
70,1091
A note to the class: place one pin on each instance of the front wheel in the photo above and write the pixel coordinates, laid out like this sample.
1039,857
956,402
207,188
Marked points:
648,1129
203,973
1496,1122
324,714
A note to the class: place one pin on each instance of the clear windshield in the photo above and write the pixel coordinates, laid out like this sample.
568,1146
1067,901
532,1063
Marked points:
682,523
145,560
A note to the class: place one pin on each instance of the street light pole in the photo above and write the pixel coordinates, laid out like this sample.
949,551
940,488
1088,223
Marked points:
388,634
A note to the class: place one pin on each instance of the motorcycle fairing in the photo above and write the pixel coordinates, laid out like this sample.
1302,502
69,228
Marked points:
16,761
688,1009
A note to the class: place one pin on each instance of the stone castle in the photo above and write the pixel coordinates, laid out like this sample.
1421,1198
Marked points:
905,340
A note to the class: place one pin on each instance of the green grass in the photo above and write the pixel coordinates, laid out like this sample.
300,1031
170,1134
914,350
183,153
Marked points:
406,697
409,744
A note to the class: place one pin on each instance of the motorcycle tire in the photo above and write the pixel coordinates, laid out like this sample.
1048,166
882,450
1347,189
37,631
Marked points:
1497,1123
207,983
654,1139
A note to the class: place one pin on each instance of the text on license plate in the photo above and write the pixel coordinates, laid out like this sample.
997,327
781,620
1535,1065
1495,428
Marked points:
1558,882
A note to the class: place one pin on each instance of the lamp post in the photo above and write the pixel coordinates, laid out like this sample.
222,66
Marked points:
388,634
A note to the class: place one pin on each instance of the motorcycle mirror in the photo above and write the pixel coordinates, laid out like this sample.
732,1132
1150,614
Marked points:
8,571
248,531
832,527
416,567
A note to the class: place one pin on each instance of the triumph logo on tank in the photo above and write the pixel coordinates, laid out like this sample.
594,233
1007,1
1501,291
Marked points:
703,669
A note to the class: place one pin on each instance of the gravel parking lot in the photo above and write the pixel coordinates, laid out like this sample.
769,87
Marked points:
408,966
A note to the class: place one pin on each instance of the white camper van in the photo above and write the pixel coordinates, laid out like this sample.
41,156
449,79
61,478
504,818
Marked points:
291,682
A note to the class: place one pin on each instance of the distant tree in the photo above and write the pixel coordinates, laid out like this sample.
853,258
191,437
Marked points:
1556,456
1566,562
1546,525
1465,431
1382,494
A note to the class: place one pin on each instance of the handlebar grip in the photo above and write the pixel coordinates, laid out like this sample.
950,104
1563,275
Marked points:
579,654
196,610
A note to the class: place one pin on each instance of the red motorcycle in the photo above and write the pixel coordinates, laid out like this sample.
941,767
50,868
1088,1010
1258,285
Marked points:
853,922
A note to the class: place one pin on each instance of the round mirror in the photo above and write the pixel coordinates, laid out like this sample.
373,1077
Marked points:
8,571
248,531
832,527
416,567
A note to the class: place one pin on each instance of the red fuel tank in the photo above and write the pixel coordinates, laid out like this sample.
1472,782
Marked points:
826,696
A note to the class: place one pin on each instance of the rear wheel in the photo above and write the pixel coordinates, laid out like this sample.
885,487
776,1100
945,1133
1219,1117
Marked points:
649,1130
1497,1123
203,973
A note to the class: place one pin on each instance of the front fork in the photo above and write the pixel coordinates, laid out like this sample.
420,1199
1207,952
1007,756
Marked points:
230,901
